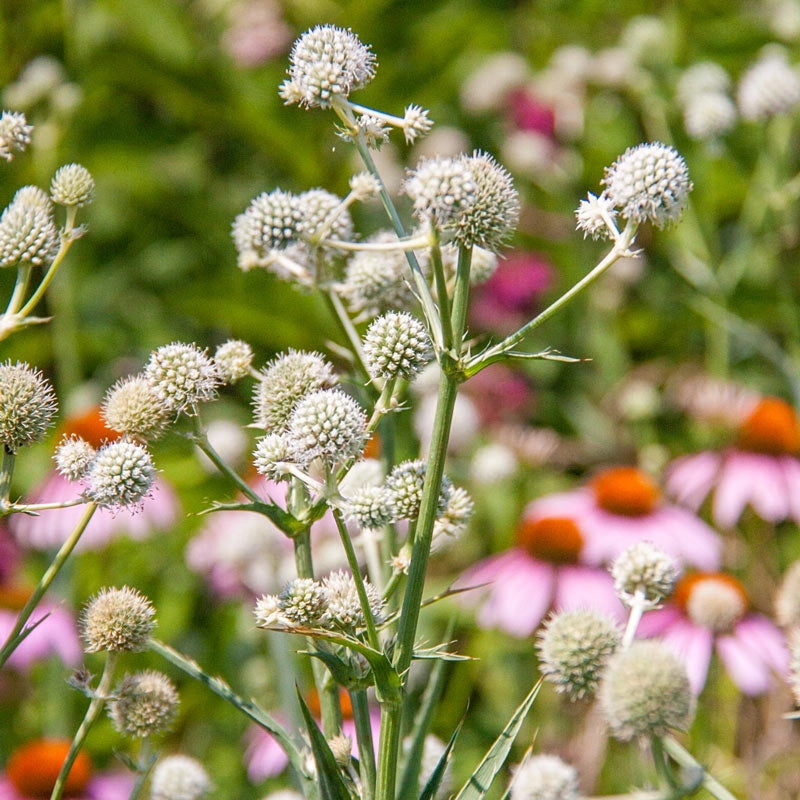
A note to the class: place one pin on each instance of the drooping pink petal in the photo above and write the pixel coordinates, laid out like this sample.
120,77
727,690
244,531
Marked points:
750,478
264,757
587,587
111,786
681,534
745,666
654,623
689,479
56,634
761,635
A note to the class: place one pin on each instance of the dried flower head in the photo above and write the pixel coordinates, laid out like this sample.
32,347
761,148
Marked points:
117,620
133,406
406,481
371,507
303,602
343,606
645,691
769,87
15,134
645,569
271,455
73,457
284,381
545,777
120,475
179,778
456,516
27,231
787,598
144,704
183,375
416,123
397,345
326,62
327,424
649,182
233,359
574,648
72,185
272,221
596,216
27,405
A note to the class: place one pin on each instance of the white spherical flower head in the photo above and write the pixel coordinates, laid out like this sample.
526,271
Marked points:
709,116
703,78
343,605
183,375
645,691
769,87
271,454
73,457
27,405
406,481
15,134
574,648
284,381
397,345
317,207
133,406
649,182
371,507
120,475
715,601
144,704
483,266
364,186
441,189
233,359
117,620
643,569
595,216
456,516
326,62
327,424
272,221
72,185
27,231
545,777
303,602
179,778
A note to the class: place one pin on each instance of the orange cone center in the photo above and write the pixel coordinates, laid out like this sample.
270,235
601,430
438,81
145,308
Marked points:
712,600
34,767
557,540
626,491
772,427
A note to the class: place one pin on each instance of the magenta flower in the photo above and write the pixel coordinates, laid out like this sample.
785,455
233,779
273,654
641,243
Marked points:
709,611
762,471
501,395
531,114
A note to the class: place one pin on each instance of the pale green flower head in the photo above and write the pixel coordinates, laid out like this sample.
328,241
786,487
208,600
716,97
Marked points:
27,405
144,704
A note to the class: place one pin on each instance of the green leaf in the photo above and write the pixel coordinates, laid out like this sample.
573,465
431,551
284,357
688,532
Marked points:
481,779
331,784
435,780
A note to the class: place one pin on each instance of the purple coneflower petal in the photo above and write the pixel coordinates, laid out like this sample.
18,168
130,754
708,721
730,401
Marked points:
690,479
587,587
762,636
745,666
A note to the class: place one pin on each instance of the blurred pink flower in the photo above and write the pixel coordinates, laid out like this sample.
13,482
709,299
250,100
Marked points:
501,395
511,296
257,32
762,471
622,506
550,566
709,611
528,113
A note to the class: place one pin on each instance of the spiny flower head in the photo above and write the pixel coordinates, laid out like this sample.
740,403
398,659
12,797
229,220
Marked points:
545,777
73,457
272,451
327,424
15,134
441,189
72,185
343,606
183,376
233,359
406,481
364,186
416,123
272,221
397,345
27,405
371,507
179,777
643,568
594,214
649,182
574,648
144,704
284,380
117,620
120,475
133,406
317,207
645,691
325,62
27,231
303,602
456,515
769,87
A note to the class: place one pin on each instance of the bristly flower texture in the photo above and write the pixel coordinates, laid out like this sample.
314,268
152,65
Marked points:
27,405
545,777
144,704
183,375
15,134
397,345
179,777
327,62
120,475
117,620
27,231
133,406
72,185
769,87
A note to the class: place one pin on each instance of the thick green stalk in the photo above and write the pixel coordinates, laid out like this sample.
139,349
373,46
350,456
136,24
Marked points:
92,713
366,747
14,638
20,288
6,473
442,297
388,751
686,759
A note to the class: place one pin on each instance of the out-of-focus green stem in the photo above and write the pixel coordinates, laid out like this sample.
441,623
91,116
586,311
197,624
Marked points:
680,754
6,473
366,747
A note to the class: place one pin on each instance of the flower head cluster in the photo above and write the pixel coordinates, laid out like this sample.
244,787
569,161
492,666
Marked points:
708,111
769,87
644,569
133,406
233,359
72,185
343,604
27,405
120,474
15,134
272,453
371,507
270,222
183,376
117,620
302,602
179,778
405,482
73,457
545,777
27,231
144,704
327,62
397,345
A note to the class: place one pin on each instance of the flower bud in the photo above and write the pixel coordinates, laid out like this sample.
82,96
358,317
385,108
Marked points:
144,704
233,359
72,185
117,620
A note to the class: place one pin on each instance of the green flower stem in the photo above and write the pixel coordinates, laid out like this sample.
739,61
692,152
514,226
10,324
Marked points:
99,697
248,707
6,473
32,508
500,351
352,561
677,752
20,288
461,295
333,301
405,243
661,762
366,748
17,634
388,750
442,297
144,766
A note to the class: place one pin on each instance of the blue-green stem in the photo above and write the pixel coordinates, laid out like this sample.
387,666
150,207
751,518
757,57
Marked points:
442,297
101,693
388,750
20,288
14,638
683,757
6,473
366,747
346,324
144,767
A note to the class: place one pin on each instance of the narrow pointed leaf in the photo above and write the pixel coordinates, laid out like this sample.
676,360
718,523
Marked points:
435,780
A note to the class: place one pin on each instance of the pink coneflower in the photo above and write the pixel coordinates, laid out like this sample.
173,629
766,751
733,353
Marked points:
257,32
710,611
32,769
549,566
501,395
622,506
529,113
762,471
